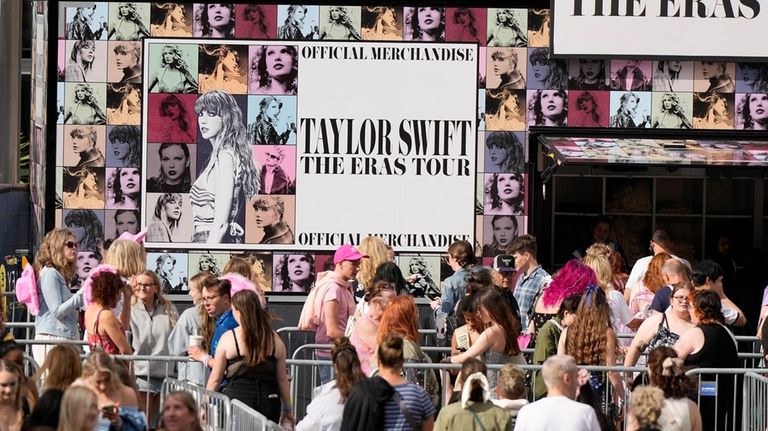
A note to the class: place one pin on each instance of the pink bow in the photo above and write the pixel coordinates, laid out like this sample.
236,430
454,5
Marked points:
138,238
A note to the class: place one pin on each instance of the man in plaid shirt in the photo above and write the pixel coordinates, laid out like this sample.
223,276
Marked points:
532,276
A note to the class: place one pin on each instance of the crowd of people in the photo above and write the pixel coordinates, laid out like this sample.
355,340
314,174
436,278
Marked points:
675,317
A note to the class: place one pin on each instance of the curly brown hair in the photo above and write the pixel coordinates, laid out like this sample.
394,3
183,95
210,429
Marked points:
653,279
106,289
673,386
347,366
587,337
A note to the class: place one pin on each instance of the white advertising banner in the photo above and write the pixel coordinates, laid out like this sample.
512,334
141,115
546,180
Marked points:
660,28
369,139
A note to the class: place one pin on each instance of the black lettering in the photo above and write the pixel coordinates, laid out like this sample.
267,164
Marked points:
753,5
665,7
727,9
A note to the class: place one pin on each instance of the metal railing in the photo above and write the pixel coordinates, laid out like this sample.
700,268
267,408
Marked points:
215,408
245,418
755,412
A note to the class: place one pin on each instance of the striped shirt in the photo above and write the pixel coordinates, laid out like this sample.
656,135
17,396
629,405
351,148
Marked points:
418,403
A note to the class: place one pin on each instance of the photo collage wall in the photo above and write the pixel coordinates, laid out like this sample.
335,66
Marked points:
101,172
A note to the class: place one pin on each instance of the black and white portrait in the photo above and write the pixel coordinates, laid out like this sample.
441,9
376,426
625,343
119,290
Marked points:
297,22
274,69
128,21
507,27
171,268
672,111
223,67
339,23
83,188
424,23
85,103
630,109
294,273
215,20
504,194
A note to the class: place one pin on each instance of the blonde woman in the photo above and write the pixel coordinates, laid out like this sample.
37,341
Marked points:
11,412
118,403
154,316
129,259
79,410
377,251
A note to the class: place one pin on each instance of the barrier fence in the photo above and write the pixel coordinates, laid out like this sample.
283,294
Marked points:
755,412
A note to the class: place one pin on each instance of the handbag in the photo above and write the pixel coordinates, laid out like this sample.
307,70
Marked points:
663,337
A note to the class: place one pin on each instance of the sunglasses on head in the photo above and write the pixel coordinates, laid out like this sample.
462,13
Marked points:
70,244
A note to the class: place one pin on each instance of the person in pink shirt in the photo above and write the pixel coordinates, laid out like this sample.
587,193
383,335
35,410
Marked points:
338,301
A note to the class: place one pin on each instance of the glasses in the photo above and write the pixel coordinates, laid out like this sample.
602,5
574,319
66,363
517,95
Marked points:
273,156
145,285
680,298
70,244
209,299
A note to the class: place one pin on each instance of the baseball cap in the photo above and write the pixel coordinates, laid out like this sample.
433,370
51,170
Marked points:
504,262
348,252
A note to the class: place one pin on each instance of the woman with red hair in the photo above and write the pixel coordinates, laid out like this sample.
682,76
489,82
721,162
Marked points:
401,317
642,293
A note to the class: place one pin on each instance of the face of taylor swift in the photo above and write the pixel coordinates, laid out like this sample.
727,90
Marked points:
504,231
210,124
279,60
429,18
551,103
502,64
758,106
508,187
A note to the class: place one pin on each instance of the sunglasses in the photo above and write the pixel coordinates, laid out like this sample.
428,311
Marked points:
70,244
273,156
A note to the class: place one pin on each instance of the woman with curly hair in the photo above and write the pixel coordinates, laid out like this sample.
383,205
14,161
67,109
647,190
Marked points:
295,273
230,177
505,194
88,193
124,189
507,31
174,75
54,271
86,109
380,23
628,114
80,67
164,269
572,279
401,318
102,293
377,252
666,372
339,26
128,25
504,111
753,112
274,70
207,263
548,108
296,26
223,73
425,24
252,357
710,111
672,115
591,340
216,20
711,345
598,257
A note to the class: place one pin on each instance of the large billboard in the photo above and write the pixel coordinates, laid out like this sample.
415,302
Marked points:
309,145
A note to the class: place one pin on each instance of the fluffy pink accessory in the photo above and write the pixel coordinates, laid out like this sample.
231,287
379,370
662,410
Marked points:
239,283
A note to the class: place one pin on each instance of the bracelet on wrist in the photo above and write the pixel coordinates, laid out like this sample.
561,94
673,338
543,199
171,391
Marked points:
287,408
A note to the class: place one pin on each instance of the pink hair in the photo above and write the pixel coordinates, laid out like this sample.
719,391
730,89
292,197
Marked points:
572,279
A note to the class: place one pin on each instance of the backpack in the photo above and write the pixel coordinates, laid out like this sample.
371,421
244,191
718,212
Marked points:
309,319
26,290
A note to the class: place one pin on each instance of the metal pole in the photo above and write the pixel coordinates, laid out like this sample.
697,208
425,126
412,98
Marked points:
10,80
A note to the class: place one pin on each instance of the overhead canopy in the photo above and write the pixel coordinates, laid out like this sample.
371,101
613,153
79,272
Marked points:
683,152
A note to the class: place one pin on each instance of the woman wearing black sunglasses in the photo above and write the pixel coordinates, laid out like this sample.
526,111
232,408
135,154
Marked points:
55,268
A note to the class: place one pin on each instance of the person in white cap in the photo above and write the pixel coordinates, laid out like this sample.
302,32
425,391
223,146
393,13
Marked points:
338,301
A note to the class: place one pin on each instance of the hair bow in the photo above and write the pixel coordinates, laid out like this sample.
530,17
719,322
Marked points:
467,388
88,285
672,366
594,294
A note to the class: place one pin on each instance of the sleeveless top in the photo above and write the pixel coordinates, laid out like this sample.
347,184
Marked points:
675,415
255,385
719,349
491,356
203,191
97,341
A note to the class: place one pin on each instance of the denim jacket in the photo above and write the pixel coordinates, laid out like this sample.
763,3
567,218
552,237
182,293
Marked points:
454,289
58,306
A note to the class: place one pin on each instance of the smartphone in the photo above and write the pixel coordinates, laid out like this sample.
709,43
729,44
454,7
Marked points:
109,409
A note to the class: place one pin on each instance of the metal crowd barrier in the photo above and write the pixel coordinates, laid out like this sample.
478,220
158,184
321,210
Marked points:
215,408
245,418
755,412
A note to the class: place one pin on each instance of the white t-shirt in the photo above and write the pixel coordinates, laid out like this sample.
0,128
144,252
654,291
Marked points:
570,416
